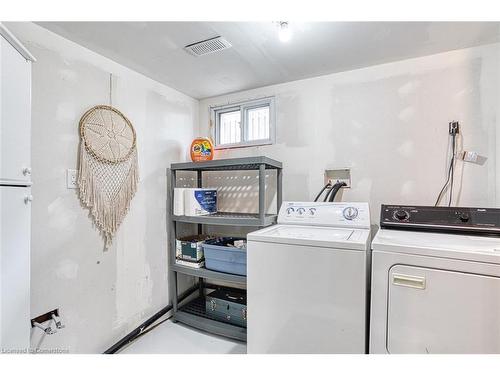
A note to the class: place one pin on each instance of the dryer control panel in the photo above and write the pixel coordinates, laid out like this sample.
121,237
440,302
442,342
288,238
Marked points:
441,219
335,214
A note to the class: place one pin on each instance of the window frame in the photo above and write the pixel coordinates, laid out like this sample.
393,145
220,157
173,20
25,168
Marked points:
243,107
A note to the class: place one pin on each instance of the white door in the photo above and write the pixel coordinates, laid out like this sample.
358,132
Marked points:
15,209
15,114
439,311
305,299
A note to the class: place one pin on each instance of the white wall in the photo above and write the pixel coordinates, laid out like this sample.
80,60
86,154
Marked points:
102,295
389,124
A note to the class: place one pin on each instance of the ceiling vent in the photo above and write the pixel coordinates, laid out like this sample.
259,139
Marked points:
208,46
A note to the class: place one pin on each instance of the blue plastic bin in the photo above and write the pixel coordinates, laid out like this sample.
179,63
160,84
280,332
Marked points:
223,258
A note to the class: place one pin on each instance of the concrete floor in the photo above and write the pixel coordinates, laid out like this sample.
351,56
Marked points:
177,338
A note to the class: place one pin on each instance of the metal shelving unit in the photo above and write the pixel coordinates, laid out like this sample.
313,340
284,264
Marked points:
208,274
193,312
229,218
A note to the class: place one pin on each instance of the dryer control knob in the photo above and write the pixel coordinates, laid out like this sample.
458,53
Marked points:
401,215
289,210
464,217
301,210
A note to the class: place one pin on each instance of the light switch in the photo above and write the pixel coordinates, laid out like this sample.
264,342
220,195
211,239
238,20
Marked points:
71,178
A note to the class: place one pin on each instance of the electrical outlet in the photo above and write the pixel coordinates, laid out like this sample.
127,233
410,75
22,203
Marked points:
71,178
454,127
338,175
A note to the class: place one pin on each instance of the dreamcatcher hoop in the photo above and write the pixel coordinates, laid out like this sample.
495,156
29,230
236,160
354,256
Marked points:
110,145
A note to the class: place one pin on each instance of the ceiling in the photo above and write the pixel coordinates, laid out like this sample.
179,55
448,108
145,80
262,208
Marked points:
258,58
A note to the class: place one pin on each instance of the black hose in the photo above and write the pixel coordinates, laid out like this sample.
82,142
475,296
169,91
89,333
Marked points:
322,190
141,329
327,193
334,190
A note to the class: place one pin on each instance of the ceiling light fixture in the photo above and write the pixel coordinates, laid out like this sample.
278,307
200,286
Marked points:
284,33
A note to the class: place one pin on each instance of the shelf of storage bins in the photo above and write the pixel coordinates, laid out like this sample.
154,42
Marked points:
194,314
229,218
209,274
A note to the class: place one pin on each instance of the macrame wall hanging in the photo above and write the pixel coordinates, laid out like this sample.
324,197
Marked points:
108,170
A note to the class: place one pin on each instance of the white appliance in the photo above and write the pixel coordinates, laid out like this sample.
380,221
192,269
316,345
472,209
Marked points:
307,280
15,193
436,292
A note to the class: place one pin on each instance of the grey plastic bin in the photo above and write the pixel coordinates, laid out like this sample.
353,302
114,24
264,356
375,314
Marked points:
223,258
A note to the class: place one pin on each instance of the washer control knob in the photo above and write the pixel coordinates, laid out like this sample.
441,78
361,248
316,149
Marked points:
312,211
290,210
401,215
301,210
350,213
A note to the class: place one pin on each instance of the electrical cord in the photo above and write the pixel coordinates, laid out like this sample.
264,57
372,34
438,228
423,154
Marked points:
334,190
451,172
445,186
453,149
322,190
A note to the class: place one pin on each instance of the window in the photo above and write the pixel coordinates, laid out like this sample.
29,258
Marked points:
249,123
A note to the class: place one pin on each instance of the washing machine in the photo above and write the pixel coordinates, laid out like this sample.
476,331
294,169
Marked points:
436,281
307,280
